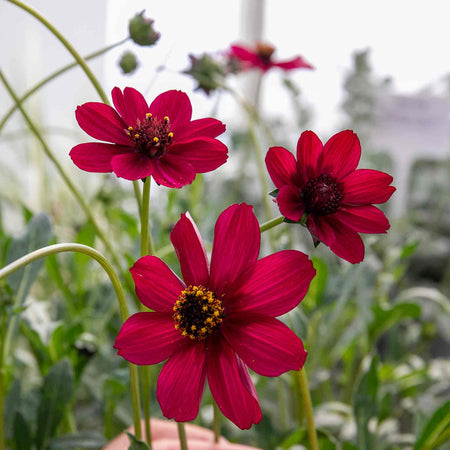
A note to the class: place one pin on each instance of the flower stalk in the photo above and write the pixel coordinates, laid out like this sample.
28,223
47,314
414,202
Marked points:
182,436
307,406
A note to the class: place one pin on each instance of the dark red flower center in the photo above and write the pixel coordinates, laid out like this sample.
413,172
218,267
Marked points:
322,195
264,51
197,312
151,136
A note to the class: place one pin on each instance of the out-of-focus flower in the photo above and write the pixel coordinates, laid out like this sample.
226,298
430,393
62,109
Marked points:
324,190
207,71
261,57
219,320
159,140
128,62
141,30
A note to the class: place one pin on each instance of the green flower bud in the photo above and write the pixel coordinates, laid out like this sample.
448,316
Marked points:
141,30
128,62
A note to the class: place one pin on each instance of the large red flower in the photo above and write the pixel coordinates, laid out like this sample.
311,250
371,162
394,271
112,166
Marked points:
324,189
219,320
262,57
160,140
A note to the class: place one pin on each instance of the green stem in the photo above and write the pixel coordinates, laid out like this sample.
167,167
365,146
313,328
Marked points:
76,193
115,281
216,422
2,378
307,406
67,45
145,248
137,194
54,75
271,223
182,436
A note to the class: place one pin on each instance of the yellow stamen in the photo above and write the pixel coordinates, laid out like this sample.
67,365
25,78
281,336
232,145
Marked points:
148,115
155,140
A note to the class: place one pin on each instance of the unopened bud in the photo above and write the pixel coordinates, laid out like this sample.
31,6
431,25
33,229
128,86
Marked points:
141,30
128,62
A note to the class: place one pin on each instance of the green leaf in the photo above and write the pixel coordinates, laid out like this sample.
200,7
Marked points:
12,405
438,424
294,438
365,405
57,393
38,348
83,440
136,444
22,433
386,317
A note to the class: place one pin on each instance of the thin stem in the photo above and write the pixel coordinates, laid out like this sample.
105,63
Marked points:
115,281
271,223
307,405
67,45
216,422
137,194
182,436
54,75
76,193
145,370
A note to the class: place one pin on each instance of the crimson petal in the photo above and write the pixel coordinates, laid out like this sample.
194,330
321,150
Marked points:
309,155
148,338
203,155
266,345
273,286
290,202
96,156
181,383
236,245
102,122
363,219
131,105
231,385
191,252
366,186
341,154
176,106
282,167
132,166
157,287
172,171
200,128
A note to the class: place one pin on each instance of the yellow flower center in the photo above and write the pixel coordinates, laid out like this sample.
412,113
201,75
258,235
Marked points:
197,312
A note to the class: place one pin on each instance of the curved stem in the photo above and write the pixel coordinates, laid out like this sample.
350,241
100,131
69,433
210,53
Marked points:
115,281
216,422
54,75
307,405
182,436
271,223
76,193
66,44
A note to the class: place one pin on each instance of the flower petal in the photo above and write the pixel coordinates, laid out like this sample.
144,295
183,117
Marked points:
172,171
132,166
157,287
96,156
294,63
309,155
191,252
181,383
148,338
131,105
236,245
176,106
290,202
366,186
363,219
282,167
321,229
245,55
341,154
102,122
265,344
231,385
273,286
200,128
203,155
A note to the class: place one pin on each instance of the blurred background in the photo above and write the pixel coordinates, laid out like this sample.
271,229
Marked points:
381,69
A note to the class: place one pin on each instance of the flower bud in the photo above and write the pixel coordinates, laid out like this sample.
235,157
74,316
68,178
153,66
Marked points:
141,30
208,72
128,62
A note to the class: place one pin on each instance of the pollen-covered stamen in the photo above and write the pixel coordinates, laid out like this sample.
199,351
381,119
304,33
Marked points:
197,312
151,136
264,51
322,195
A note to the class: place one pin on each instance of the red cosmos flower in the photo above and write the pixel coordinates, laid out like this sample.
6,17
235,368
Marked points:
160,140
261,57
324,189
219,320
